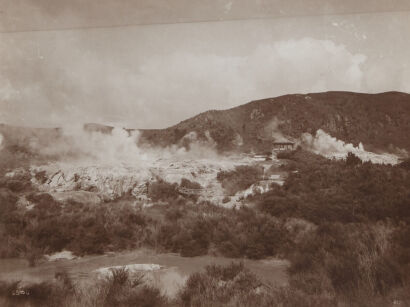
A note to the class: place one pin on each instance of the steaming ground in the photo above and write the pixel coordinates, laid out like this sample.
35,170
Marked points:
95,166
92,166
330,147
82,182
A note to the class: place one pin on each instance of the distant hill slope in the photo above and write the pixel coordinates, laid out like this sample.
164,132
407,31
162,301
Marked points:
379,121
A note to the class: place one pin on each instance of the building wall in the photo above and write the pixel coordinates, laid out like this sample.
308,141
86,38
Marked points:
282,147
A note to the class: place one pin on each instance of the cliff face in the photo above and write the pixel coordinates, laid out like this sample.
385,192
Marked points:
379,121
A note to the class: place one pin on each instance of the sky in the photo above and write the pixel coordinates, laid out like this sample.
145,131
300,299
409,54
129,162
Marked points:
153,63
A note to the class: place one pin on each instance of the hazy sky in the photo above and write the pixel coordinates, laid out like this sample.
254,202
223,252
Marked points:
60,63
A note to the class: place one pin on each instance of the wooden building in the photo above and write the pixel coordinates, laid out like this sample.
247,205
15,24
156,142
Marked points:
283,146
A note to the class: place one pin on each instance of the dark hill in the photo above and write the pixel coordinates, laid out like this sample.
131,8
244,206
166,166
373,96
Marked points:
379,121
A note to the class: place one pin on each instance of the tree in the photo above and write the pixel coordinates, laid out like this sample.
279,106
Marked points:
352,159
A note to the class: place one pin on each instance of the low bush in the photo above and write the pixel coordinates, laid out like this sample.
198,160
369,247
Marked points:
344,226
185,183
352,159
119,289
231,232
84,229
220,286
239,179
288,155
161,190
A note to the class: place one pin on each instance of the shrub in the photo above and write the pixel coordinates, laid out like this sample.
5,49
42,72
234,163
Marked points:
43,294
162,191
352,159
405,164
185,183
119,276
350,261
289,155
43,201
16,185
197,240
239,179
219,286
8,204
333,192
119,289
122,290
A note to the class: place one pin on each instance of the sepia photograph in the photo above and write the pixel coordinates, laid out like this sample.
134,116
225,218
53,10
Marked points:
204,153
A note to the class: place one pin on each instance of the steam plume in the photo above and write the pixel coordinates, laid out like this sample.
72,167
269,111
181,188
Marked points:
119,146
330,147
273,131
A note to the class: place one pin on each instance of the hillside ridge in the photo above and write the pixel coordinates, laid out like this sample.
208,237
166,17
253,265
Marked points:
379,121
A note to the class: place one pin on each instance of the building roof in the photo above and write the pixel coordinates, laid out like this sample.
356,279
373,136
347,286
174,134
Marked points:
283,143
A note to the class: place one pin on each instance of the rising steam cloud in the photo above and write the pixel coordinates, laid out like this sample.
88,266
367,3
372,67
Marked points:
324,144
75,143
119,146
272,131
113,162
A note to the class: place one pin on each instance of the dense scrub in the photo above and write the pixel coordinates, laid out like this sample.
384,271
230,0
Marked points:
240,178
357,253
227,232
344,225
336,192
230,285
117,289
84,229
177,223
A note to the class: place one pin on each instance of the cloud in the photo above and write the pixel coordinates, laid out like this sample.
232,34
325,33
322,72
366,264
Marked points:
307,65
75,83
